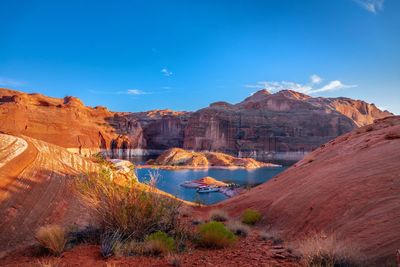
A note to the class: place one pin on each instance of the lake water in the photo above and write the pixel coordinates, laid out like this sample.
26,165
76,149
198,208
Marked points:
170,180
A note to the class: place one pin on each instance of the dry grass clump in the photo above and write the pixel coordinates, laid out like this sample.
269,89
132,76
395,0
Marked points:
127,209
238,228
129,212
219,215
52,238
49,263
215,235
319,250
251,216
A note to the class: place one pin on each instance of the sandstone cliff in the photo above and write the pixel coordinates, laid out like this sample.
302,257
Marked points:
263,126
349,187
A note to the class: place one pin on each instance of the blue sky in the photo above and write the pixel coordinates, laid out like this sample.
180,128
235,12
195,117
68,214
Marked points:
183,55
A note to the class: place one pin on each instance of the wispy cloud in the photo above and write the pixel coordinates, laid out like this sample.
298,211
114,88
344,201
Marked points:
136,92
166,72
6,82
372,6
315,79
309,88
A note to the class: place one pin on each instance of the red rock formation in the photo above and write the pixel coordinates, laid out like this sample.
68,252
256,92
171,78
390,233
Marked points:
263,126
349,187
183,158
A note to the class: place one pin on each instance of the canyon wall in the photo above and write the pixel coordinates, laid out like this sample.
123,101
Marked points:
284,125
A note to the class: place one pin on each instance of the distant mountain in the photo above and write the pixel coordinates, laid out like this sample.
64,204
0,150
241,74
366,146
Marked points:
282,125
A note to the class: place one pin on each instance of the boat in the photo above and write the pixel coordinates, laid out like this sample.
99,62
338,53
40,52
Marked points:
207,189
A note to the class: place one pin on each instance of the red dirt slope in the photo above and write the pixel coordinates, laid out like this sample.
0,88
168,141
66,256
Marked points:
349,187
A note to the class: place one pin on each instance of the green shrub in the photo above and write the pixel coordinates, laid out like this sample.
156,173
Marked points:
215,235
251,216
159,243
219,215
52,238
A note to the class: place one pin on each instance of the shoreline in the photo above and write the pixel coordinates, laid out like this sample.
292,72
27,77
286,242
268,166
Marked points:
168,167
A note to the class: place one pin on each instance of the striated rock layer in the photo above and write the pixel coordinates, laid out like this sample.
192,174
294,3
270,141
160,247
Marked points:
36,189
349,187
282,125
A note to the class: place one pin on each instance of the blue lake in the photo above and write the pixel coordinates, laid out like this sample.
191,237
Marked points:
170,180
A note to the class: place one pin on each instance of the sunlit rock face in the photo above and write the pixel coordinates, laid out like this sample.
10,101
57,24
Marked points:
283,125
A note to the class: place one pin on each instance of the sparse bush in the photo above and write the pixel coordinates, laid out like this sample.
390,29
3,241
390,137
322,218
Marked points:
219,215
251,216
109,242
131,209
238,228
215,235
88,234
52,238
159,243
271,236
321,251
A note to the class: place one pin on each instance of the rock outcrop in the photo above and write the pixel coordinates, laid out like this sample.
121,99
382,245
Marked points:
264,126
349,187
178,157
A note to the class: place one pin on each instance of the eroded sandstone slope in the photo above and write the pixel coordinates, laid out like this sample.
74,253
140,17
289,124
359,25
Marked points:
35,189
349,187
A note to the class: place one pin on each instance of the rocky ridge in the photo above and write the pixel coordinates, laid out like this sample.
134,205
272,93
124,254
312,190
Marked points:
264,126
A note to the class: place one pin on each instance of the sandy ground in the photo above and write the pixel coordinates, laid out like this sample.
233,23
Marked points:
249,251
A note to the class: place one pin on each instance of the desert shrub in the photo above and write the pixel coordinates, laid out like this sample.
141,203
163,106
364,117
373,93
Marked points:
238,228
272,236
110,242
322,251
52,238
159,243
251,216
215,235
131,209
88,234
219,215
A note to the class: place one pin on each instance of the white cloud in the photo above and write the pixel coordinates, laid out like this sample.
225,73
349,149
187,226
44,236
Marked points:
310,88
372,6
332,86
10,82
136,92
166,72
315,79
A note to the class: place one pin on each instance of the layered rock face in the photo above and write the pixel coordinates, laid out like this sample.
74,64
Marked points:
348,188
282,125
285,124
